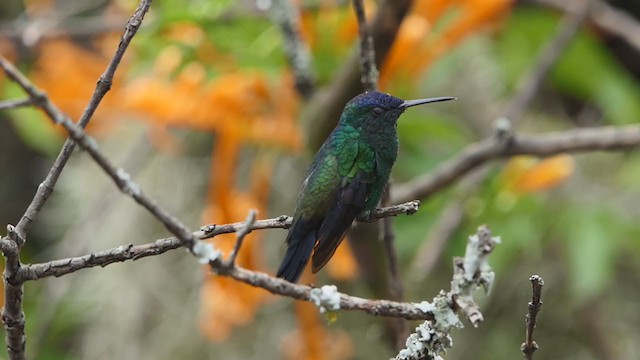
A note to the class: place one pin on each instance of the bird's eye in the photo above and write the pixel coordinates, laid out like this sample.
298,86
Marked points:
378,110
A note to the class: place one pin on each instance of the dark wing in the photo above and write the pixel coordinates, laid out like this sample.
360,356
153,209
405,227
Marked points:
314,199
357,169
348,203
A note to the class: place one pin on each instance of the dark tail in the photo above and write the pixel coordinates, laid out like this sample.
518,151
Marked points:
300,242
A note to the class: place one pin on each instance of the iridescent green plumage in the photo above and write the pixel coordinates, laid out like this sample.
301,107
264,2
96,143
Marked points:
347,177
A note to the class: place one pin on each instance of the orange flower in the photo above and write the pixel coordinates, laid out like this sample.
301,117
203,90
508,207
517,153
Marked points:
343,265
70,79
417,46
525,174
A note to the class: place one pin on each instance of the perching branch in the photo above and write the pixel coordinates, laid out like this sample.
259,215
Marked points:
407,311
123,253
529,346
606,138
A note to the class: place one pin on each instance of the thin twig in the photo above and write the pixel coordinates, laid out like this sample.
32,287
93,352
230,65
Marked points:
530,346
246,229
368,70
606,138
104,84
287,16
123,253
13,104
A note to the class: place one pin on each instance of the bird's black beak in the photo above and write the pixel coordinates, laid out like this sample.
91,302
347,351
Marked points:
410,103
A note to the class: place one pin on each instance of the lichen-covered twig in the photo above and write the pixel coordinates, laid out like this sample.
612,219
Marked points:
470,273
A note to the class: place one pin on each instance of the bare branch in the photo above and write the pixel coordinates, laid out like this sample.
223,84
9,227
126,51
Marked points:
13,104
606,138
122,253
530,346
282,287
287,16
246,229
104,84
368,70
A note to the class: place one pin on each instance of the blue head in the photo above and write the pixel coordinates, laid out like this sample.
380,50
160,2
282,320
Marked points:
377,110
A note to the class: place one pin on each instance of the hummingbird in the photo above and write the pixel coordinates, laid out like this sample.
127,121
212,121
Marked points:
346,178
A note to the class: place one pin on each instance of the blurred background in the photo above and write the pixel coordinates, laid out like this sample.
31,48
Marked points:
205,114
